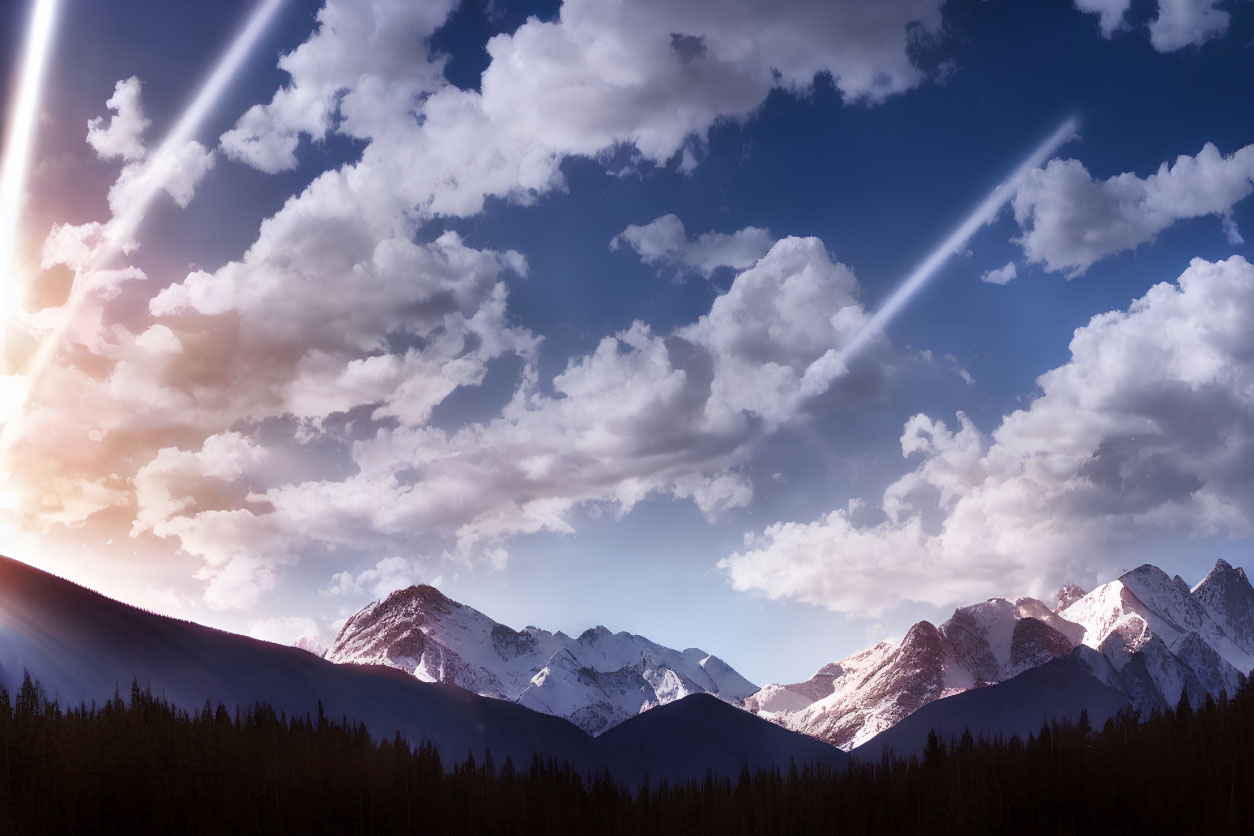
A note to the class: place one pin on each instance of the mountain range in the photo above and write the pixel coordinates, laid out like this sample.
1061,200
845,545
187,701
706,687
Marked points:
596,680
84,648
1144,638
428,667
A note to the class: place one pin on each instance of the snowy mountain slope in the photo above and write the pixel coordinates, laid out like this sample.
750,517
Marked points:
1155,638
596,680
1226,595
1060,688
1168,630
82,646
850,701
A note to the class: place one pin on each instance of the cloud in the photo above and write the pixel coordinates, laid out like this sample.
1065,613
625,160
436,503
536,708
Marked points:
1178,24
178,173
122,136
368,53
286,630
351,317
386,576
664,242
1182,23
647,74
1148,427
643,414
1111,13
1001,275
1069,221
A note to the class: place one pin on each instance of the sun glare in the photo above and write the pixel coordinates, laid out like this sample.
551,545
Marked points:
17,150
121,229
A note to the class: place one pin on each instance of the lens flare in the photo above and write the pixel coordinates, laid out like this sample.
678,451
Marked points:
930,266
17,156
120,230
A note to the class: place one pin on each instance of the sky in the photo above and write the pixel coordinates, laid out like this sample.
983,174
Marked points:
591,312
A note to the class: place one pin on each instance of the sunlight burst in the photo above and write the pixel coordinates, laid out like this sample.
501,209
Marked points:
17,156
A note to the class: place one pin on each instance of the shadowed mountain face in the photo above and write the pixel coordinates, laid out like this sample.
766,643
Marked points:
1059,689
83,647
687,738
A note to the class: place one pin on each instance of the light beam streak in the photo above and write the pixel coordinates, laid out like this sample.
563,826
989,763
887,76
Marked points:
120,230
930,266
17,158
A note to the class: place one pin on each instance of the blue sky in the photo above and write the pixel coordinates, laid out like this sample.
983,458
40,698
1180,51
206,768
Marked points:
388,340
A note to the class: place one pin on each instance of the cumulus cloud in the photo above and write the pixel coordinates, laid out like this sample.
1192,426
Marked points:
374,52
1148,427
350,318
122,136
178,172
643,414
289,630
1182,23
386,576
1001,275
648,74
1110,13
1178,24
1069,221
664,242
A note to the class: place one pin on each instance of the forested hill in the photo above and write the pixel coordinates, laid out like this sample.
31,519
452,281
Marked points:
137,764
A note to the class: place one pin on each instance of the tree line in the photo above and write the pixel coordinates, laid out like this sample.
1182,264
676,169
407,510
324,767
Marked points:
139,764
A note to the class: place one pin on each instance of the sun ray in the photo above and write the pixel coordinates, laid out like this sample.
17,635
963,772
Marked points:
17,154
121,229
930,266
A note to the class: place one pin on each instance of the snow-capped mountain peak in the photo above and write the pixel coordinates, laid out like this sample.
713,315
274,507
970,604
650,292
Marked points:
1166,630
849,701
1227,596
596,680
1067,595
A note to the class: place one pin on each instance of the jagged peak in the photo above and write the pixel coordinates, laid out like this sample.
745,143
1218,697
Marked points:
594,633
1067,595
1223,571
921,632
418,592
1145,572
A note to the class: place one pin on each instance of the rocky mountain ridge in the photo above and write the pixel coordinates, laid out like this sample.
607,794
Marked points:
1155,639
596,680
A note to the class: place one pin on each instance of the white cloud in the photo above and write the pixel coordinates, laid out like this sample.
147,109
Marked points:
366,50
1178,24
122,136
178,173
1149,427
385,577
286,630
1111,13
1001,275
1182,23
1070,221
1231,232
336,309
663,241
648,74
643,414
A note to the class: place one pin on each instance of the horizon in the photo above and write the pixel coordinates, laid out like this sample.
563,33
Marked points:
578,632
767,332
